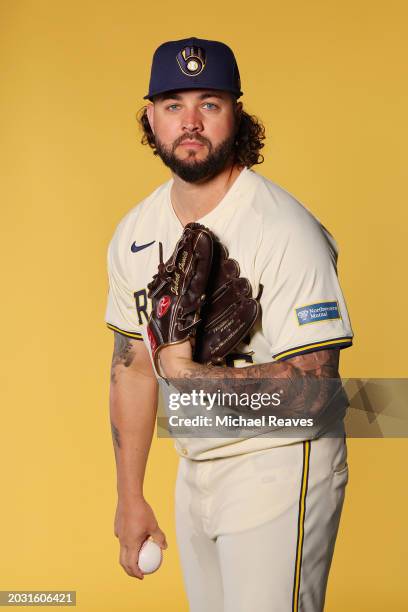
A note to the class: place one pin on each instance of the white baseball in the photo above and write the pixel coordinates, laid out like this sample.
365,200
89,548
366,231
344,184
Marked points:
150,557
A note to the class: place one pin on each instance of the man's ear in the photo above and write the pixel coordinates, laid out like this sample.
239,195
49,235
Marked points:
238,116
150,115
238,110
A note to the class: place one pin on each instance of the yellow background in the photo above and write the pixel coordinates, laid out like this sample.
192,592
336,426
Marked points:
329,80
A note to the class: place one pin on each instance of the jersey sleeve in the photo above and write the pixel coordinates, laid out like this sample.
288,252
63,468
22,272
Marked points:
303,307
120,315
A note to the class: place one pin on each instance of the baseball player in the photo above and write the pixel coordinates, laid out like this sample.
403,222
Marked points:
256,517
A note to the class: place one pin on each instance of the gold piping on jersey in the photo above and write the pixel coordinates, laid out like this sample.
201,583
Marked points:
135,335
346,341
301,525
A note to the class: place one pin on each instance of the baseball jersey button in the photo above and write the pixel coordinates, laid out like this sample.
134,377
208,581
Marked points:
184,451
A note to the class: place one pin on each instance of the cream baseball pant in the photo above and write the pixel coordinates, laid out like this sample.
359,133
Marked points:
256,532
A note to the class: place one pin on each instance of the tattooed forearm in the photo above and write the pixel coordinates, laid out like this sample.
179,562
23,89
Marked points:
115,435
307,383
122,353
319,363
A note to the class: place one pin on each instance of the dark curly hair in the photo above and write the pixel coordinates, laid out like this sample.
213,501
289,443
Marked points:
248,143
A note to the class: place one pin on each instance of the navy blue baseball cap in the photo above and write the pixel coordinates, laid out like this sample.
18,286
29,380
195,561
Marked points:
194,63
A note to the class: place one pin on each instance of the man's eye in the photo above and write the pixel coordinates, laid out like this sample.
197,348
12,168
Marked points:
172,106
211,104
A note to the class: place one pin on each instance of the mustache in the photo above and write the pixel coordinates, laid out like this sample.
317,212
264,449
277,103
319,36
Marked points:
196,137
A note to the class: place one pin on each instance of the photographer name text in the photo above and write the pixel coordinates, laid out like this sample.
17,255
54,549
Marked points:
238,421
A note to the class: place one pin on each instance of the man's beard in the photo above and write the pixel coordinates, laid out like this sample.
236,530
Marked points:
191,170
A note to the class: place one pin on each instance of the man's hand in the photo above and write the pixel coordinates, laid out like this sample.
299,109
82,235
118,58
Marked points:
134,522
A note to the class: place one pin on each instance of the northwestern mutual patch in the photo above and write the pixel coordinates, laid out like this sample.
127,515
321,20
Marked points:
322,311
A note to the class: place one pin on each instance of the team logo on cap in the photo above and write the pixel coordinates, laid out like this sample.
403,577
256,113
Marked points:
191,60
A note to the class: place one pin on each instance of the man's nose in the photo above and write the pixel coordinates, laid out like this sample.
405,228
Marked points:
192,120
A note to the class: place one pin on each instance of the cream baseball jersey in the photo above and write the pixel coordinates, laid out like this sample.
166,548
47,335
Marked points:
277,242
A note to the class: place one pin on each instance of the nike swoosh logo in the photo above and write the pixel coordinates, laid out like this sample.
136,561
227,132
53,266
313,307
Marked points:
135,248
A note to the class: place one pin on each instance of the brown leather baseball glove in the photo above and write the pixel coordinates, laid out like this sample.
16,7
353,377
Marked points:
229,312
178,289
199,294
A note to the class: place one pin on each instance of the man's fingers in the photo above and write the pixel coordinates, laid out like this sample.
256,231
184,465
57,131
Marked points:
123,562
132,559
128,561
159,537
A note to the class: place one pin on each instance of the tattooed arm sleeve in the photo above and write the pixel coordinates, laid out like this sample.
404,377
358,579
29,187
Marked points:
133,406
307,383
